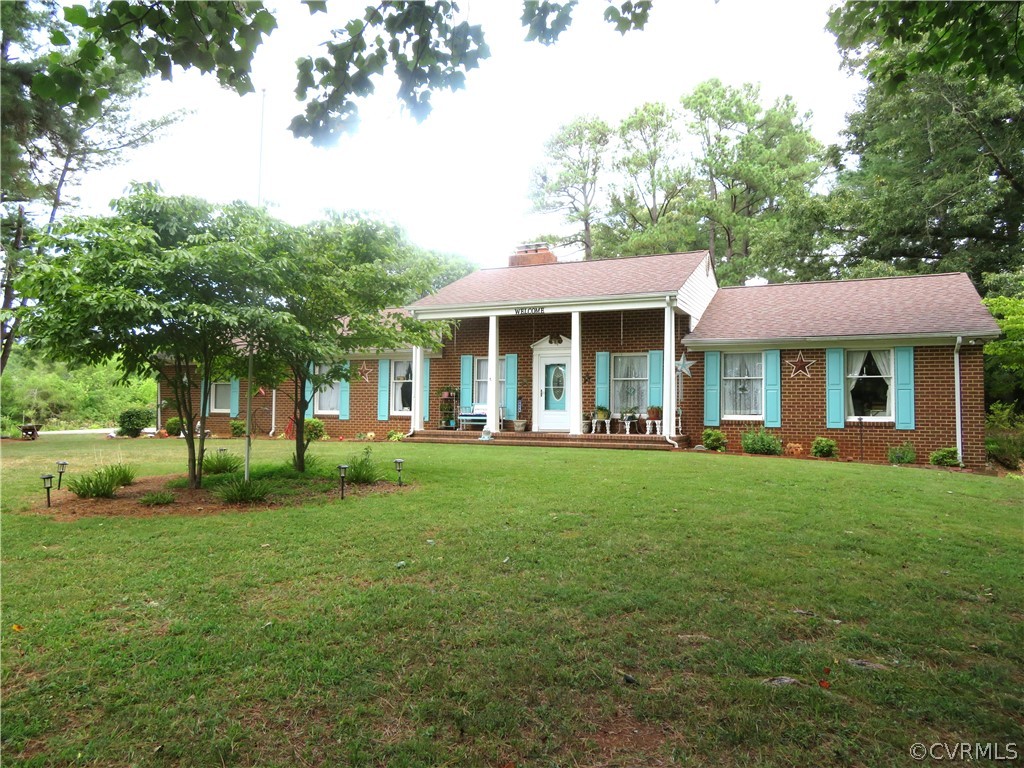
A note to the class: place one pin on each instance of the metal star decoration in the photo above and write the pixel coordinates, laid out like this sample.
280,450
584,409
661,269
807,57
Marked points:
800,365
364,371
683,365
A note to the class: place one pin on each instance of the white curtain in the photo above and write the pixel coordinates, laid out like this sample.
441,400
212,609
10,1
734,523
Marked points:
883,361
854,366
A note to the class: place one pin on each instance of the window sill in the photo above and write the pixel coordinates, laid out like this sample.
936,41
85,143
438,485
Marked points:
871,420
751,417
220,413
403,414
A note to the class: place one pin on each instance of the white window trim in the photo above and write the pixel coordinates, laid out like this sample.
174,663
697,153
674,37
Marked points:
890,403
612,380
721,388
476,381
316,401
391,392
213,397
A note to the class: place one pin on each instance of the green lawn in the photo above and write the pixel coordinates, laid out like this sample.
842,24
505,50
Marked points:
556,607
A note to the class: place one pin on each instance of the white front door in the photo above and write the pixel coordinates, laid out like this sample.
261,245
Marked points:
552,404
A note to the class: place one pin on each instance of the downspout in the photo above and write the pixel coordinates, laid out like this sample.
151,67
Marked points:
959,410
273,412
669,365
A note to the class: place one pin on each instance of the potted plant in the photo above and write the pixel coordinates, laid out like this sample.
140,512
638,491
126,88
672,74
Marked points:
449,397
653,412
588,420
602,413
630,414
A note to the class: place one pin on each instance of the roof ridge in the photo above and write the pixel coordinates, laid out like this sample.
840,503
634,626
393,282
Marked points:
849,280
596,261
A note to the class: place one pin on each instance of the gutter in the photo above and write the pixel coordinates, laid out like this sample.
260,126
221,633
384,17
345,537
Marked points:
959,414
273,412
670,302
699,344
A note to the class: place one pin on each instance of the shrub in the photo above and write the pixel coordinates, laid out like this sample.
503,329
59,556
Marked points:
237,428
1006,448
396,435
123,474
364,470
157,499
761,442
134,420
902,454
313,462
313,429
240,491
824,448
944,457
713,439
173,426
101,483
1001,416
221,463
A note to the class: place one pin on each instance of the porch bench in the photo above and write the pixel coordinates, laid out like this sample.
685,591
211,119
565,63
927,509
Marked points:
478,416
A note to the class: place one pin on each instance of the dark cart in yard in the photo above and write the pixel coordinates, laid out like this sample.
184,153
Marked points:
30,431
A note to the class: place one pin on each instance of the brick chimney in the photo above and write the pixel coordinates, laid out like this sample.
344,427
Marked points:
531,254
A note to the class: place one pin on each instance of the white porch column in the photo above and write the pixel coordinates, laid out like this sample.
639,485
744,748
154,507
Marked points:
493,396
416,421
575,377
668,387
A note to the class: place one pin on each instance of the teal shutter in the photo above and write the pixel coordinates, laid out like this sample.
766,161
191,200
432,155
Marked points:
383,387
466,384
234,398
202,394
310,397
602,380
344,390
655,377
712,389
904,380
426,388
772,388
511,386
835,388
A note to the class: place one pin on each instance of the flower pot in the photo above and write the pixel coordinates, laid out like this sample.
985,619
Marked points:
519,425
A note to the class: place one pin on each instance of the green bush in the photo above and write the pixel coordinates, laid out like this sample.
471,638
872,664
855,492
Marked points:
237,428
364,470
173,426
944,457
221,463
902,454
134,420
396,435
157,499
1005,448
760,442
313,429
240,491
824,448
1001,416
713,439
101,483
9,427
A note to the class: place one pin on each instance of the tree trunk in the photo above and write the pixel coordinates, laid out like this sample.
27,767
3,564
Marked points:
588,241
300,421
58,189
10,327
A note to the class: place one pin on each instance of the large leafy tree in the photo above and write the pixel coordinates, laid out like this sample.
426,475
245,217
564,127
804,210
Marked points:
755,165
569,180
934,179
428,46
975,38
166,287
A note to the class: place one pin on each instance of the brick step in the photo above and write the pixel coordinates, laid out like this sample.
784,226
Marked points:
550,440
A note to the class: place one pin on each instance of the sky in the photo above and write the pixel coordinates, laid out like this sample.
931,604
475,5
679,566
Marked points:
459,182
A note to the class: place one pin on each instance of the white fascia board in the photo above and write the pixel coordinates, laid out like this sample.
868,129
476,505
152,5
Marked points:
850,342
548,306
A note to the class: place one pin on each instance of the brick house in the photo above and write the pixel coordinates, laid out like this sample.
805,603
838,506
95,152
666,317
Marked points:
869,363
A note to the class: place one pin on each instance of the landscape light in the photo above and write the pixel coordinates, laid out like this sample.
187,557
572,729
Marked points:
398,469
221,451
62,467
47,484
342,469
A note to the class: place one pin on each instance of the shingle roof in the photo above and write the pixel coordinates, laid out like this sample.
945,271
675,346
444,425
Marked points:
654,275
946,304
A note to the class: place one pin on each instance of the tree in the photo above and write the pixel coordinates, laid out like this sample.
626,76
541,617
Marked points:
166,287
977,39
568,180
346,276
755,165
1004,358
429,46
935,176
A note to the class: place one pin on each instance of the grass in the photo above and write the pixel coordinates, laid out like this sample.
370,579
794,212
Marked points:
490,613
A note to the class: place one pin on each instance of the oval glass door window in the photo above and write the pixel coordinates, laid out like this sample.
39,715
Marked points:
554,389
558,383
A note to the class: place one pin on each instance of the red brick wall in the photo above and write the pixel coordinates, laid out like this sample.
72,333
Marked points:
803,408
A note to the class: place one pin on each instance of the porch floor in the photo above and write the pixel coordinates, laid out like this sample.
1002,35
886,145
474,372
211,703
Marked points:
550,439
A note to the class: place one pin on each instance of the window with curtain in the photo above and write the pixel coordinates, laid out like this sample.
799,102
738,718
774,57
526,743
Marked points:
480,379
743,385
869,383
401,386
327,398
220,397
629,383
